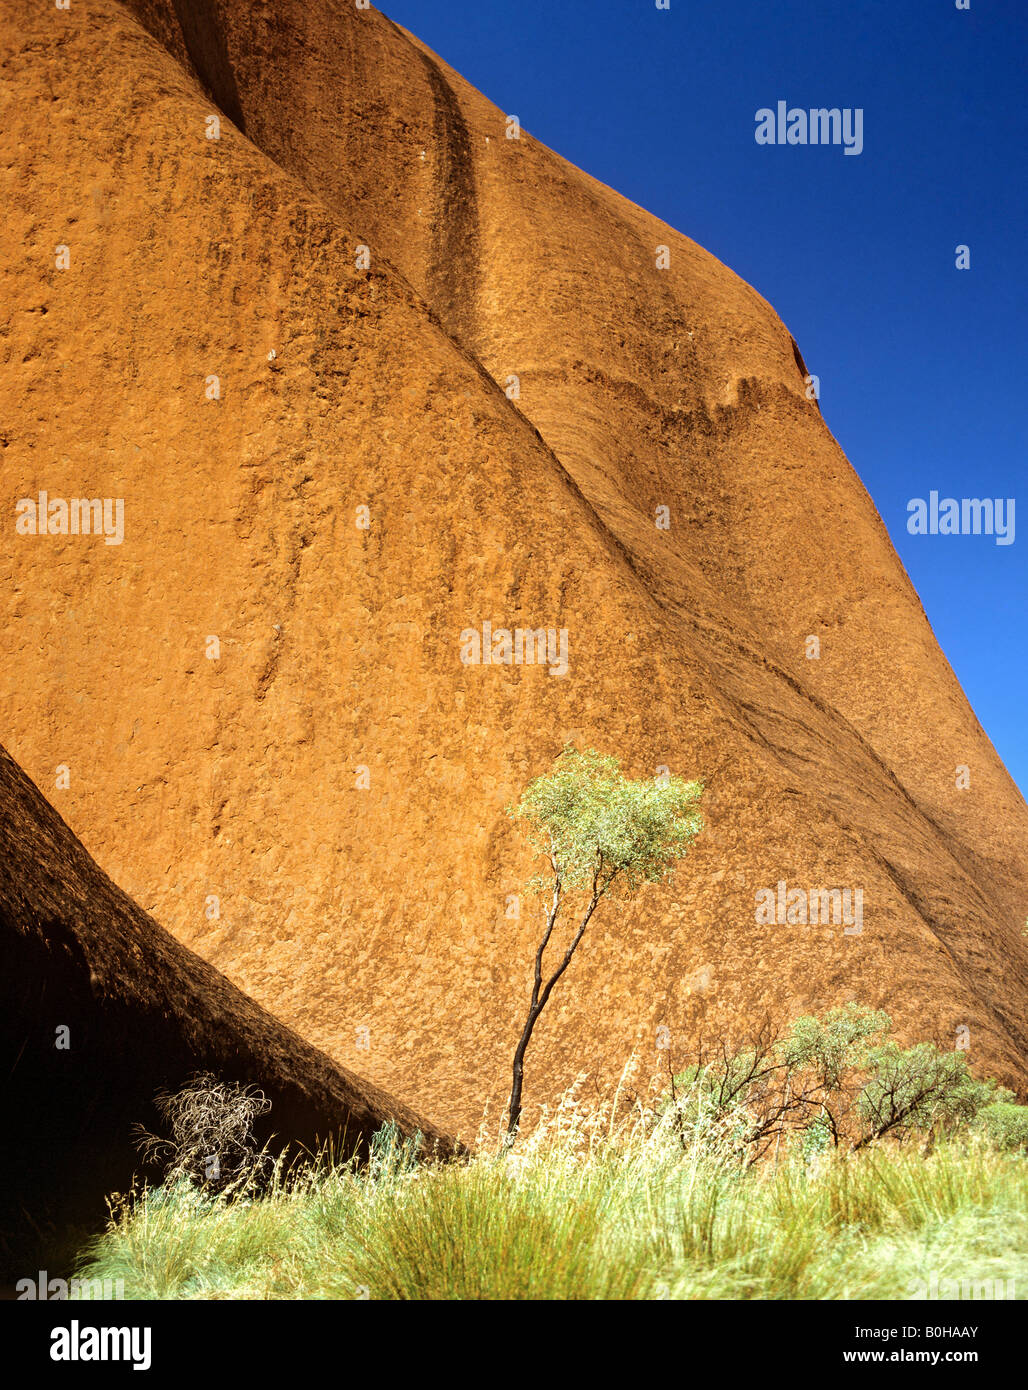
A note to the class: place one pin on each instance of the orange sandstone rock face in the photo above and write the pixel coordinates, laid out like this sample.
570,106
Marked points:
99,1010
290,352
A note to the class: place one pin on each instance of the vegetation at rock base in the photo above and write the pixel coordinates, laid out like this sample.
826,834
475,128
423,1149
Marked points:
644,1201
838,1080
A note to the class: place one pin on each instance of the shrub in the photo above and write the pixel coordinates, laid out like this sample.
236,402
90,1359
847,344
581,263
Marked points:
212,1145
834,1079
1006,1125
918,1088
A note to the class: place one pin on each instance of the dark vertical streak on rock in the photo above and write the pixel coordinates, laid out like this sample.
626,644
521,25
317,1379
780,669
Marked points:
452,284
204,37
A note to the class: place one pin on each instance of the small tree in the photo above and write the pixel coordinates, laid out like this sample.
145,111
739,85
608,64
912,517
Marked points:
602,834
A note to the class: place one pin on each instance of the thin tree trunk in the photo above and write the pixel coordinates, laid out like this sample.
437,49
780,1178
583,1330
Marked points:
514,1116
778,1140
514,1107
540,995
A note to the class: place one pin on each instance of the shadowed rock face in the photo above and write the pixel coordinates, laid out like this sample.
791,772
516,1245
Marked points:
347,906
99,1009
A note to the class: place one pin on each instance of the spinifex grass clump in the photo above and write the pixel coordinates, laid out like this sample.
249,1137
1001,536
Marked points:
589,1207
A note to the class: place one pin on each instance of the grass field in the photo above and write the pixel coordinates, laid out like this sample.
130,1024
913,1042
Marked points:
585,1210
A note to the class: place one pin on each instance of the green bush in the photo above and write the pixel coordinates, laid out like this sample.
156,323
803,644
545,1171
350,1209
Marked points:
918,1089
837,1080
1006,1126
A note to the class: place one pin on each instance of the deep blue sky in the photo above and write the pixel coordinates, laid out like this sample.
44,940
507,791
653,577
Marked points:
923,367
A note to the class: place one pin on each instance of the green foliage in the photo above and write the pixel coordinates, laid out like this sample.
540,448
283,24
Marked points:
1006,1125
600,831
834,1043
598,826
837,1075
391,1153
710,1104
817,1138
918,1088
609,1214
796,1084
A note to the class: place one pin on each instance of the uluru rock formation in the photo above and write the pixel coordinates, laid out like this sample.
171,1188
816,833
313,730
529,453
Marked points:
271,272
99,1010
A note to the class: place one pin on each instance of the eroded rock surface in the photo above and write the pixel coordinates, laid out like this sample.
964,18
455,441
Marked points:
336,777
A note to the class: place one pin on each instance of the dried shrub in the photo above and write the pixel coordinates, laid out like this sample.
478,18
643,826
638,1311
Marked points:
212,1144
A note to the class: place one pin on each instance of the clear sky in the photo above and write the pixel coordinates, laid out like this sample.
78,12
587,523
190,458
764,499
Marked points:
923,366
